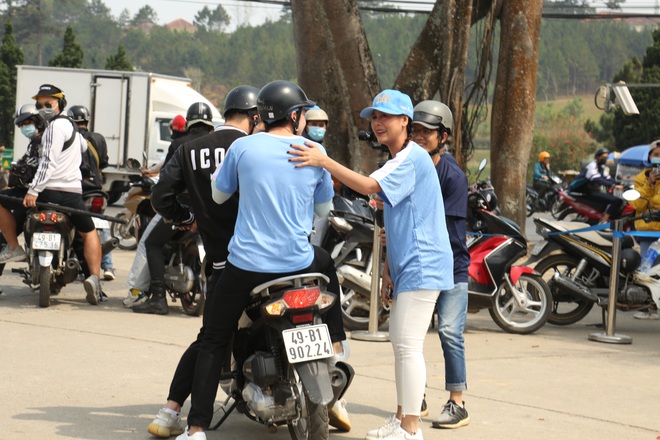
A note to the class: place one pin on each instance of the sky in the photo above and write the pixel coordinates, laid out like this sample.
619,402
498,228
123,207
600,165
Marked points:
240,12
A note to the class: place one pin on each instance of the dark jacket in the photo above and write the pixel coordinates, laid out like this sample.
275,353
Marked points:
99,144
195,131
190,168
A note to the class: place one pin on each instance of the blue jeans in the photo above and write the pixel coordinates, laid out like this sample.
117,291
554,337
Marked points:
106,261
452,313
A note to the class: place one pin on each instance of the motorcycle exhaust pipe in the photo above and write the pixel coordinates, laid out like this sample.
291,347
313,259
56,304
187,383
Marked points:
71,270
109,245
579,291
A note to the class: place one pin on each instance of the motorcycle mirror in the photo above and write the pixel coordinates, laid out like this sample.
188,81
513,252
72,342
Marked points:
631,195
482,164
133,164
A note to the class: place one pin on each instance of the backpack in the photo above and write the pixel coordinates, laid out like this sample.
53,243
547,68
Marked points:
578,184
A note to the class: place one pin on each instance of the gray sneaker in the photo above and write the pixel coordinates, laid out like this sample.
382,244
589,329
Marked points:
93,289
7,255
452,416
166,425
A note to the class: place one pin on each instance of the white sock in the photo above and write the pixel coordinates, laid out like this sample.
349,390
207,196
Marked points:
171,411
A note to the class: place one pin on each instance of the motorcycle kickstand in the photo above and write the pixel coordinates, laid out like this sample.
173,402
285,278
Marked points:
226,412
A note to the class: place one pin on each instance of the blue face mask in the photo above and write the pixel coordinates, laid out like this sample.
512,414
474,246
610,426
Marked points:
316,133
655,161
29,131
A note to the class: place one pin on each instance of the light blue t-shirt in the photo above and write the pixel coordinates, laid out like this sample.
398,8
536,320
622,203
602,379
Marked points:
276,203
418,250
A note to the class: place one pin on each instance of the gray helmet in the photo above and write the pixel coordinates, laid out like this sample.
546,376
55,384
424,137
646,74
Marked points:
316,114
29,111
433,115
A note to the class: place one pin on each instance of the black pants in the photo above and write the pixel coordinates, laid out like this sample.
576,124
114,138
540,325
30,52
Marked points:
541,187
606,203
182,382
155,243
230,298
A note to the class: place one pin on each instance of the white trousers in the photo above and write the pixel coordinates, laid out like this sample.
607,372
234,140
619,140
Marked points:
139,276
410,317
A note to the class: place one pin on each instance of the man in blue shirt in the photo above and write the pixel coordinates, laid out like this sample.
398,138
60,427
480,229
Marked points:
432,124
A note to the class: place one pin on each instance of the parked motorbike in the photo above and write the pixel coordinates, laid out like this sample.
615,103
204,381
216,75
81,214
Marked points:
578,268
137,210
550,201
580,208
517,297
349,240
49,241
276,371
185,271
486,189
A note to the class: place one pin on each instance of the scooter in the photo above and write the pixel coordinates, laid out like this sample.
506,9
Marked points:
578,268
277,371
551,201
578,207
185,271
137,210
517,297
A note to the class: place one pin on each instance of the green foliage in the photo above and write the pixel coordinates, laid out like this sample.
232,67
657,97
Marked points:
216,20
559,133
72,52
10,56
146,14
118,61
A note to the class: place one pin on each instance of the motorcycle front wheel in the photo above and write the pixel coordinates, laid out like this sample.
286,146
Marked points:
125,233
529,201
527,317
313,422
556,208
566,309
193,301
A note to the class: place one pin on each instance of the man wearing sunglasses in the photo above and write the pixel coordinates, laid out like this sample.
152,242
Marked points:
58,180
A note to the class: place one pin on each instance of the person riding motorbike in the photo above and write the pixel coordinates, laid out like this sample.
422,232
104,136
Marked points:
432,125
191,168
199,123
590,182
647,183
58,180
542,178
272,193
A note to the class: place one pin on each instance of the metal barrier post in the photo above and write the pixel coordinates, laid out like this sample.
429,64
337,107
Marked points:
373,334
610,335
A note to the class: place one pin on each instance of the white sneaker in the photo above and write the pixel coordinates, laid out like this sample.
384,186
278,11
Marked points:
401,434
93,289
109,274
196,436
7,255
165,425
646,315
135,297
379,433
338,416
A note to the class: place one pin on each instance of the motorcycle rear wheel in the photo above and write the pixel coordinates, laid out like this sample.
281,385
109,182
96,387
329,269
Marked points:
125,233
313,423
511,317
529,201
45,280
355,310
556,208
572,310
571,215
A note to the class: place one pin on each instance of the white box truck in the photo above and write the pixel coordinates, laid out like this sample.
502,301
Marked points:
132,110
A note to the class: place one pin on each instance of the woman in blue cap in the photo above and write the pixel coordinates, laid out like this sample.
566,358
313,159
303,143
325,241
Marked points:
417,246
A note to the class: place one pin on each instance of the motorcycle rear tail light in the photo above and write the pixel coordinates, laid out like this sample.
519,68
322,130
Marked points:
56,217
302,298
98,204
301,319
39,216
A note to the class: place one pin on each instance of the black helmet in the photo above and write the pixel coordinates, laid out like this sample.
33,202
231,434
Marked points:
79,113
29,111
199,112
241,98
601,151
278,99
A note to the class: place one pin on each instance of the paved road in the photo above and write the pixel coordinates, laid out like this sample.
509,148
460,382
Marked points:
75,371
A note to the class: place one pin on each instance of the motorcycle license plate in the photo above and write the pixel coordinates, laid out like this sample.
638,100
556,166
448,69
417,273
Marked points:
100,223
46,241
307,343
538,247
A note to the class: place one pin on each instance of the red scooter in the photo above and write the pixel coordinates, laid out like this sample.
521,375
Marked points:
517,297
578,207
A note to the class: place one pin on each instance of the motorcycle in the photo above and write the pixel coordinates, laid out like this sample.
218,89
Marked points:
517,297
486,189
550,201
137,210
276,371
49,242
349,240
185,271
578,207
578,268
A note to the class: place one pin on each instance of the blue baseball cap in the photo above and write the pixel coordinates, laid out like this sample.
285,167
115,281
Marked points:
391,102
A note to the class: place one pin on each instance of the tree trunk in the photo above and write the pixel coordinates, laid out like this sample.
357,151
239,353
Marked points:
514,100
336,69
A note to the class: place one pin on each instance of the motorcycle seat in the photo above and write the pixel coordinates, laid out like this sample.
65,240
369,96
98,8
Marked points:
601,239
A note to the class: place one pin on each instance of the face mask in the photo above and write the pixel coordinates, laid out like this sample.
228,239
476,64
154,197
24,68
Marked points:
29,131
655,161
316,133
47,113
